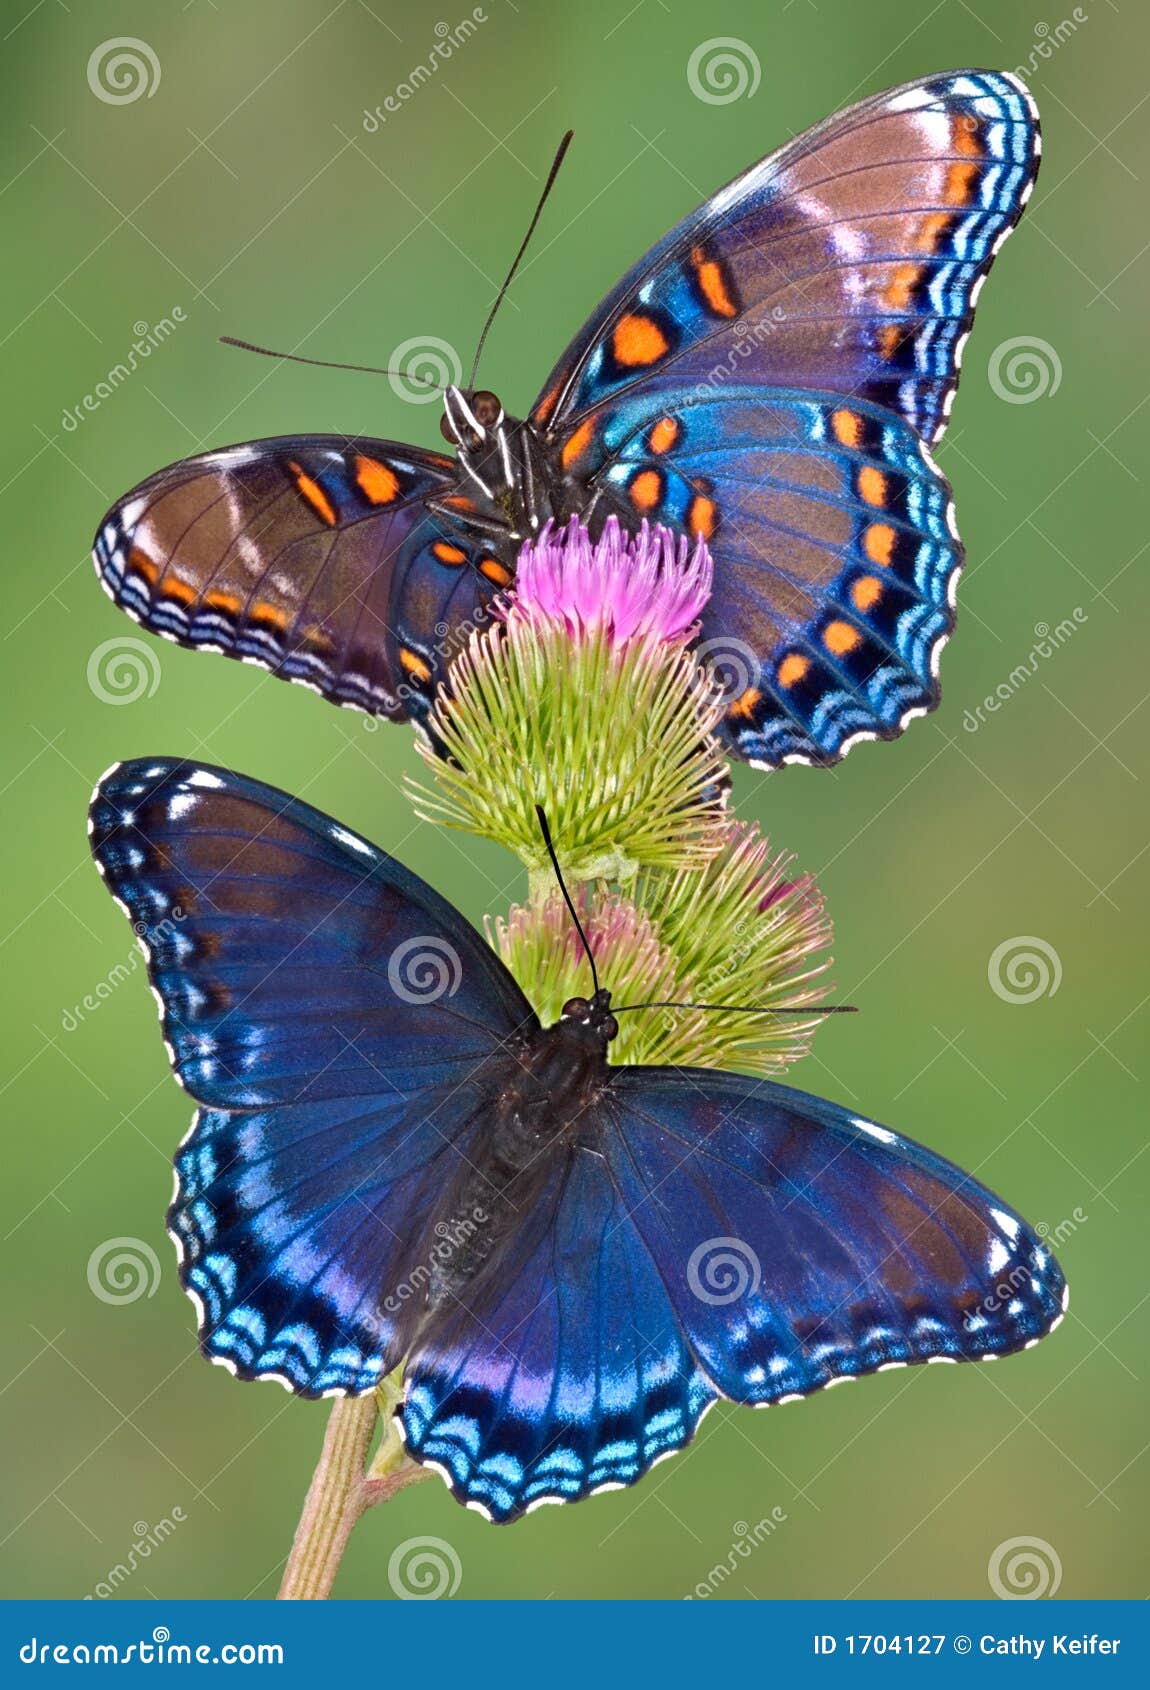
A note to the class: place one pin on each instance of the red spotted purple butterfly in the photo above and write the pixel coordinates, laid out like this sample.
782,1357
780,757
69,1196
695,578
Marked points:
770,377
393,1161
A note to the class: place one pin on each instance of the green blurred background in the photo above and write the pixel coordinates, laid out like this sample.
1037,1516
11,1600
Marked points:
246,191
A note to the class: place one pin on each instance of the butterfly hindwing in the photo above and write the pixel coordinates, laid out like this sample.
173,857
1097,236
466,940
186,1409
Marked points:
568,1372
343,1028
313,556
847,262
835,553
801,1244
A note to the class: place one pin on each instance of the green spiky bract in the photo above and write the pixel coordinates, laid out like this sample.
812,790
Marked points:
613,741
736,931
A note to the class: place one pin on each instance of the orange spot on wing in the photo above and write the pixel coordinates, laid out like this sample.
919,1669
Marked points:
932,231
448,554
872,485
173,588
459,502
878,542
792,669
311,490
142,564
866,592
494,571
379,483
546,405
279,618
664,435
701,517
713,284
414,664
889,339
840,637
960,180
576,446
965,138
645,490
899,290
744,705
638,341
847,426
228,602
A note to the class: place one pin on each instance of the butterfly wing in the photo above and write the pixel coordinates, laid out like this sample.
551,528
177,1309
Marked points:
834,548
565,1371
313,556
342,1028
847,262
801,1245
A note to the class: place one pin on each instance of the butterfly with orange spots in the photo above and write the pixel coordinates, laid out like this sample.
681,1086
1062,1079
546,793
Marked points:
770,377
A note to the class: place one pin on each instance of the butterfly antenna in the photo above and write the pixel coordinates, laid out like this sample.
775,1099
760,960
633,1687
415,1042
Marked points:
325,363
744,1009
546,832
499,298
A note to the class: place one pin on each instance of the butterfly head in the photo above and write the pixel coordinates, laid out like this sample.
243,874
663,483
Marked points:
594,1013
469,417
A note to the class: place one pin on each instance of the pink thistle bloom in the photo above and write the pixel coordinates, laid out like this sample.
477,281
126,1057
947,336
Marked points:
646,586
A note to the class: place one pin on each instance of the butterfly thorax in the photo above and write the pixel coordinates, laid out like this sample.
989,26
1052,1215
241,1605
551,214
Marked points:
543,1111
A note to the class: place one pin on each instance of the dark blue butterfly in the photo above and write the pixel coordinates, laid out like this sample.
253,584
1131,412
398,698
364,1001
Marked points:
392,1160
770,377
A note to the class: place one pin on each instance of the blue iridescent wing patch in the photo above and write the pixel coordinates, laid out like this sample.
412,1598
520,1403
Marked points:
566,1375
847,262
835,554
341,1026
770,377
802,1245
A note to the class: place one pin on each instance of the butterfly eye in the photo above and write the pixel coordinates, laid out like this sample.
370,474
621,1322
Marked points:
609,1027
447,431
485,408
577,1007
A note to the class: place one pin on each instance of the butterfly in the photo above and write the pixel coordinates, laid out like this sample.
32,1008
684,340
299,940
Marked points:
392,1161
770,378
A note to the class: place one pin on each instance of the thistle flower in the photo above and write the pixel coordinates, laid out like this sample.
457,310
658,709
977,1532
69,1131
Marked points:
582,697
741,930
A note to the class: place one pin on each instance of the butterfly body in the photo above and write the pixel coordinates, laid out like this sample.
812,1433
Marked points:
393,1162
770,377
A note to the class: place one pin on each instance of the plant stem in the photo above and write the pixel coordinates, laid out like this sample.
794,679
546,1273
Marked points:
334,1502
344,1487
